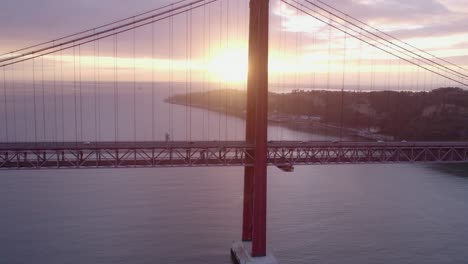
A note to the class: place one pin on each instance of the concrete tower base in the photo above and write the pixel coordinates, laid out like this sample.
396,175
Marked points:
240,253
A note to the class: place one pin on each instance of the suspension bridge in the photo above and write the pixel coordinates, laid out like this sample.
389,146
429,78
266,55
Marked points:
103,97
282,154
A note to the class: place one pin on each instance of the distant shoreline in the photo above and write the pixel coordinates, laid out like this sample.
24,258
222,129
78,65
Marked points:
440,114
313,127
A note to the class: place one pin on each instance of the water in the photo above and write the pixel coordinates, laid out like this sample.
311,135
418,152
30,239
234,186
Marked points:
107,113
316,214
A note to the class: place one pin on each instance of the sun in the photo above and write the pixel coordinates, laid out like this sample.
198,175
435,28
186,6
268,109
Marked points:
229,66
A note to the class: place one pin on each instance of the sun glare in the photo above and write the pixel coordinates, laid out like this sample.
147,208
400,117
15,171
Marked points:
229,66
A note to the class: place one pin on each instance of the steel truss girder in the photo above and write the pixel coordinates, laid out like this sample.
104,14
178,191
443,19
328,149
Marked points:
188,154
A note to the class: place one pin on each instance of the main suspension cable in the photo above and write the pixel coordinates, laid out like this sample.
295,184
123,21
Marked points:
374,45
103,34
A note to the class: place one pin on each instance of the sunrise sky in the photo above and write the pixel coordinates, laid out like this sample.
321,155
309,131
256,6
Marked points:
215,46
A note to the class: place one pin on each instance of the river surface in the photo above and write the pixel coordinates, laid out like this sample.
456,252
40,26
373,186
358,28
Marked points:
316,214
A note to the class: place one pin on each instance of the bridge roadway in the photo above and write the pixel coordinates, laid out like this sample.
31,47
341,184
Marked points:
79,155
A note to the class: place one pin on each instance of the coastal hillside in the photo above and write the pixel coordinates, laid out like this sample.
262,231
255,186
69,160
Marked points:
440,114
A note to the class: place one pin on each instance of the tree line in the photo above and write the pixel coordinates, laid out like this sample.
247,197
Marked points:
440,114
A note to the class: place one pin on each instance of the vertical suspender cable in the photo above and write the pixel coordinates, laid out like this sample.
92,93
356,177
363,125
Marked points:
34,99
43,100
220,81
358,121
134,87
227,84
388,110
95,91
397,98
312,72
299,105
171,47
191,68
55,99
327,94
433,76
418,70
62,97
5,104
295,107
422,89
342,88
277,86
81,93
74,95
117,86
300,83
186,77
13,92
114,55
236,23
272,81
403,82
152,82
190,77
25,102
389,68
99,91
116,91
372,82
209,52
424,83
447,82
204,70
283,79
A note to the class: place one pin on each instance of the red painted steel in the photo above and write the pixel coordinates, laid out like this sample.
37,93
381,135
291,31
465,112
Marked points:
256,132
249,138
247,210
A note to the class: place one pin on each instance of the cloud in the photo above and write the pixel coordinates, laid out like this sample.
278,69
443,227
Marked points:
408,20
26,22
391,15
455,5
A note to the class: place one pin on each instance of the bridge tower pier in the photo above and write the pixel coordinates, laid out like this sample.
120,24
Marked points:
255,178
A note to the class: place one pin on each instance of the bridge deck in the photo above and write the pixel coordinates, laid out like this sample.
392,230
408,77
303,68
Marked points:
222,153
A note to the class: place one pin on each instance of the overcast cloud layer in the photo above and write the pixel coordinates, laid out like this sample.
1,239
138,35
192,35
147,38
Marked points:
23,21
439,26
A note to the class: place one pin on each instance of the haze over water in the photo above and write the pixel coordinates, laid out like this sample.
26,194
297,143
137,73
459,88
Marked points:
107,113
316,214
